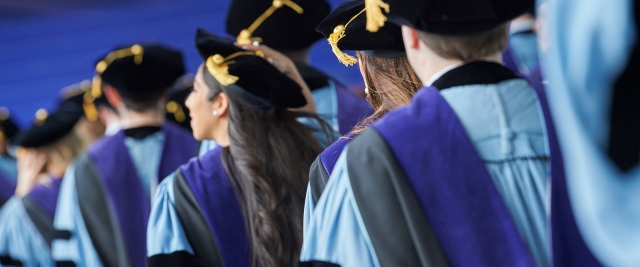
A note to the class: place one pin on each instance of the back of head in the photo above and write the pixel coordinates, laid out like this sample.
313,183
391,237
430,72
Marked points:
285,25
468,48
457,29
391,83
175,108
269,152
390,80
141,73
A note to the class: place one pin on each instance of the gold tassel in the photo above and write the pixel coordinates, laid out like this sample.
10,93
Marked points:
375,17
174,108
338,33
344,58
90,111
218,66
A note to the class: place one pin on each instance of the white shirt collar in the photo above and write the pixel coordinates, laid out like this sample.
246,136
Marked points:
521,26
439,74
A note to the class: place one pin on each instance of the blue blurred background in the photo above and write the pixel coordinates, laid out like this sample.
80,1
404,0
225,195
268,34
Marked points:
46,45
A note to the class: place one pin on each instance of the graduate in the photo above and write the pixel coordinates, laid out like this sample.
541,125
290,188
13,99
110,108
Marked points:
89,127
45,150
522,53
288,26
456,178
240,204
106,193
176,111
389,79
592,64
8,167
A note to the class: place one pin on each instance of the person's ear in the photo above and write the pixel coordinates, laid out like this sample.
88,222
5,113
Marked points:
221,104
114,98
410,38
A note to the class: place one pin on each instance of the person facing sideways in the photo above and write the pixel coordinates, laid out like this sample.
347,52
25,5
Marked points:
459,174
240,204
44,151
593,92
106,194
8,166
389,79
289,27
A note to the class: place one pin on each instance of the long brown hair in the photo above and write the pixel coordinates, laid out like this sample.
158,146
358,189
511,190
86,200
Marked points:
268,161
391,83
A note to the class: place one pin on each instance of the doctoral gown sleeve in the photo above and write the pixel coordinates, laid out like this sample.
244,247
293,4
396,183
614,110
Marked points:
165,234
167,243
71,243
335,232
20,241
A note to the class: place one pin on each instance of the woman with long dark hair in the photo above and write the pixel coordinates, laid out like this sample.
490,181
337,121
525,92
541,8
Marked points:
390,81
240,204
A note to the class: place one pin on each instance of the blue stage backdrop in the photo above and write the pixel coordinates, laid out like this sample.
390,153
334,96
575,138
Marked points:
42,53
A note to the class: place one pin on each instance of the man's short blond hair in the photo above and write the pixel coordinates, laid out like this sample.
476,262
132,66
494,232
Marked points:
468,47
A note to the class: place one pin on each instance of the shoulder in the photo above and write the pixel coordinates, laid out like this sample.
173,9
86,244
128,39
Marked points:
330,155
13,216
171,128
205,169
427,110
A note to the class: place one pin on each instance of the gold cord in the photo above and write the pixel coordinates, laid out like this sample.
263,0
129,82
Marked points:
176,109
338,33
90,110
245,36
218,66
375,17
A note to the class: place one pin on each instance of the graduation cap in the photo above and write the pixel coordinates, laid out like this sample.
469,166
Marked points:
449,17
280,24
8,128
345,30
81,95
138,69
247,74
49,128
176,110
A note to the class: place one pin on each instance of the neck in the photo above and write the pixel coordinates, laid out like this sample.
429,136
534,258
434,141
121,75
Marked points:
434,67
221,134
298,56
436,64
133,119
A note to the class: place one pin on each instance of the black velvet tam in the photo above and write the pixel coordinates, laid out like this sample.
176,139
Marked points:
455,17
285,29
7,126
50,128
356,37
258,81
141,68
176,110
